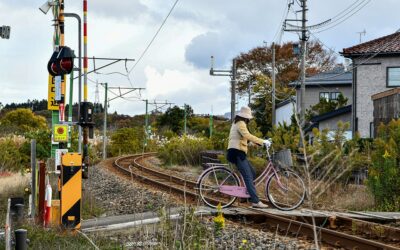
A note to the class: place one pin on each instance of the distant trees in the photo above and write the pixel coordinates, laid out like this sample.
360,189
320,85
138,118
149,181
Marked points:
34,105
174,117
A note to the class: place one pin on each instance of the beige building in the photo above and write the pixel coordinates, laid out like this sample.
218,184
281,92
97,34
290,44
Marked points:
377,69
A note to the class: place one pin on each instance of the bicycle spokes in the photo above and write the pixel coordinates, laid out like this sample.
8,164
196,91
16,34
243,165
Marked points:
210,185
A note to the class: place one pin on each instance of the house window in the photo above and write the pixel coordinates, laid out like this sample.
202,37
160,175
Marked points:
335,95
393,76
324,95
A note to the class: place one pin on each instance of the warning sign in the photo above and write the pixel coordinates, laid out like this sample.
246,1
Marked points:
60,133
51,101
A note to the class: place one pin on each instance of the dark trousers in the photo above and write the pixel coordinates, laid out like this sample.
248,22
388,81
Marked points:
248,173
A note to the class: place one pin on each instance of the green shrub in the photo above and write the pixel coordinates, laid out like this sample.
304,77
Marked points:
11,159
183,150
384,174
127,141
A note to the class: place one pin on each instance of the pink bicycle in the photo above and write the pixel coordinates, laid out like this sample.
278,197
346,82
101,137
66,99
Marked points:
219,184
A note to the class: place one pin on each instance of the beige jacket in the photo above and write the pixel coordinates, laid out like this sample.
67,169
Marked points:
239,136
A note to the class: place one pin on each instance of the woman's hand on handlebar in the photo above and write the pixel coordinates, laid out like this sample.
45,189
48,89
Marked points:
267,143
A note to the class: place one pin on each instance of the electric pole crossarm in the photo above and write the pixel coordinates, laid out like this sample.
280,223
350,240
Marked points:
102,67
130,90
222,75
222,70
109,59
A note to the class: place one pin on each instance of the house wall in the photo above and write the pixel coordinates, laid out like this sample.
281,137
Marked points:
284,113
370,80
312,94
331,124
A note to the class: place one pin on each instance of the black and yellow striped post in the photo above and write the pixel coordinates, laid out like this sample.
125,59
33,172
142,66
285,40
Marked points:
71,190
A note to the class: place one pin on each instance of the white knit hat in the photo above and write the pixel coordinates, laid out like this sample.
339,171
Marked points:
245,112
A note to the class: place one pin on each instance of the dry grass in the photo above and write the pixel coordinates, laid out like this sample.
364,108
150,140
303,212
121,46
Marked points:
12,182
11,186
345,197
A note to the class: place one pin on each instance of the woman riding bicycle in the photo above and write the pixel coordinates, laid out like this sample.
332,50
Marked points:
237,152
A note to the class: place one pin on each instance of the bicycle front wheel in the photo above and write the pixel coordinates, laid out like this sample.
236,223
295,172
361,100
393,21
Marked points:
285,190
210,183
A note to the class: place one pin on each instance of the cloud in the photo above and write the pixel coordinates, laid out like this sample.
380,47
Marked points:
176,65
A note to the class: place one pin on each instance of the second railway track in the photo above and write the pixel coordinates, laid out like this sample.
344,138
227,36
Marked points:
384,237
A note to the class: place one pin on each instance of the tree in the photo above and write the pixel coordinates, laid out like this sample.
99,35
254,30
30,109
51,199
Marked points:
254,72
262,100
174,117
23,120
325,106
258,61
126,141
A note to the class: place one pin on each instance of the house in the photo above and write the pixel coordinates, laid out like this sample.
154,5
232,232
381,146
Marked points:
376,69
284,111
330,120
328,85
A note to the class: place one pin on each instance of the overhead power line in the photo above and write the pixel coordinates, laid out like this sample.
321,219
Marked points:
154,37
345,17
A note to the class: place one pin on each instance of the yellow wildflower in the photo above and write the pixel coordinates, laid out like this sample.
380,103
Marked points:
386,155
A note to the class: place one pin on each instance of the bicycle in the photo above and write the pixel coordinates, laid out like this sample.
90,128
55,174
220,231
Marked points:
221,185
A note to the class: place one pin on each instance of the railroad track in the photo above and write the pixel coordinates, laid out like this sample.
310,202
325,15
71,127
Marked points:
344,232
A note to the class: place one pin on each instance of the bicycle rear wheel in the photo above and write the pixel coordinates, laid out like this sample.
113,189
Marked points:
209,187
285,190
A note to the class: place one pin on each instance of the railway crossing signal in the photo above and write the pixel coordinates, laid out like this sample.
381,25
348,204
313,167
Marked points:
61,62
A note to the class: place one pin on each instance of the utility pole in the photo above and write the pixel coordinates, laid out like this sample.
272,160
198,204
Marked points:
231,73
273,85
304,37
185,117
105,122
303,60
146,122
211,122
233,90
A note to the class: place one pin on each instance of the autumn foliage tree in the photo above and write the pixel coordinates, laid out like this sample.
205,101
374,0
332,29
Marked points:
255,70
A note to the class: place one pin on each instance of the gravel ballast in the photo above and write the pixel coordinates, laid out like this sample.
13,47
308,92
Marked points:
118,195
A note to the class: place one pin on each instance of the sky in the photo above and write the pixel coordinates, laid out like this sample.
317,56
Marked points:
175,68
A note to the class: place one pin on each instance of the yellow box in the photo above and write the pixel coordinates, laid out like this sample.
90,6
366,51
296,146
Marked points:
71,159
55,212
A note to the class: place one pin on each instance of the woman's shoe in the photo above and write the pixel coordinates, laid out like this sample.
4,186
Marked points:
259,205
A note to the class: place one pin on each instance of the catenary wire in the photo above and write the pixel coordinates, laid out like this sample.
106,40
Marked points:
154,37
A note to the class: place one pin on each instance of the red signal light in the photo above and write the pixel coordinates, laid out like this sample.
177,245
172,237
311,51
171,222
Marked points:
66,64
61,62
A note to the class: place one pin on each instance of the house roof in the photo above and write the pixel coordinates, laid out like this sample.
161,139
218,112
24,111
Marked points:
337,76
326,116
386,45
287,101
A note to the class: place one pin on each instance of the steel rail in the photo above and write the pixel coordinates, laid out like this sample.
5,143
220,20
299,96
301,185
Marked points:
295,227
